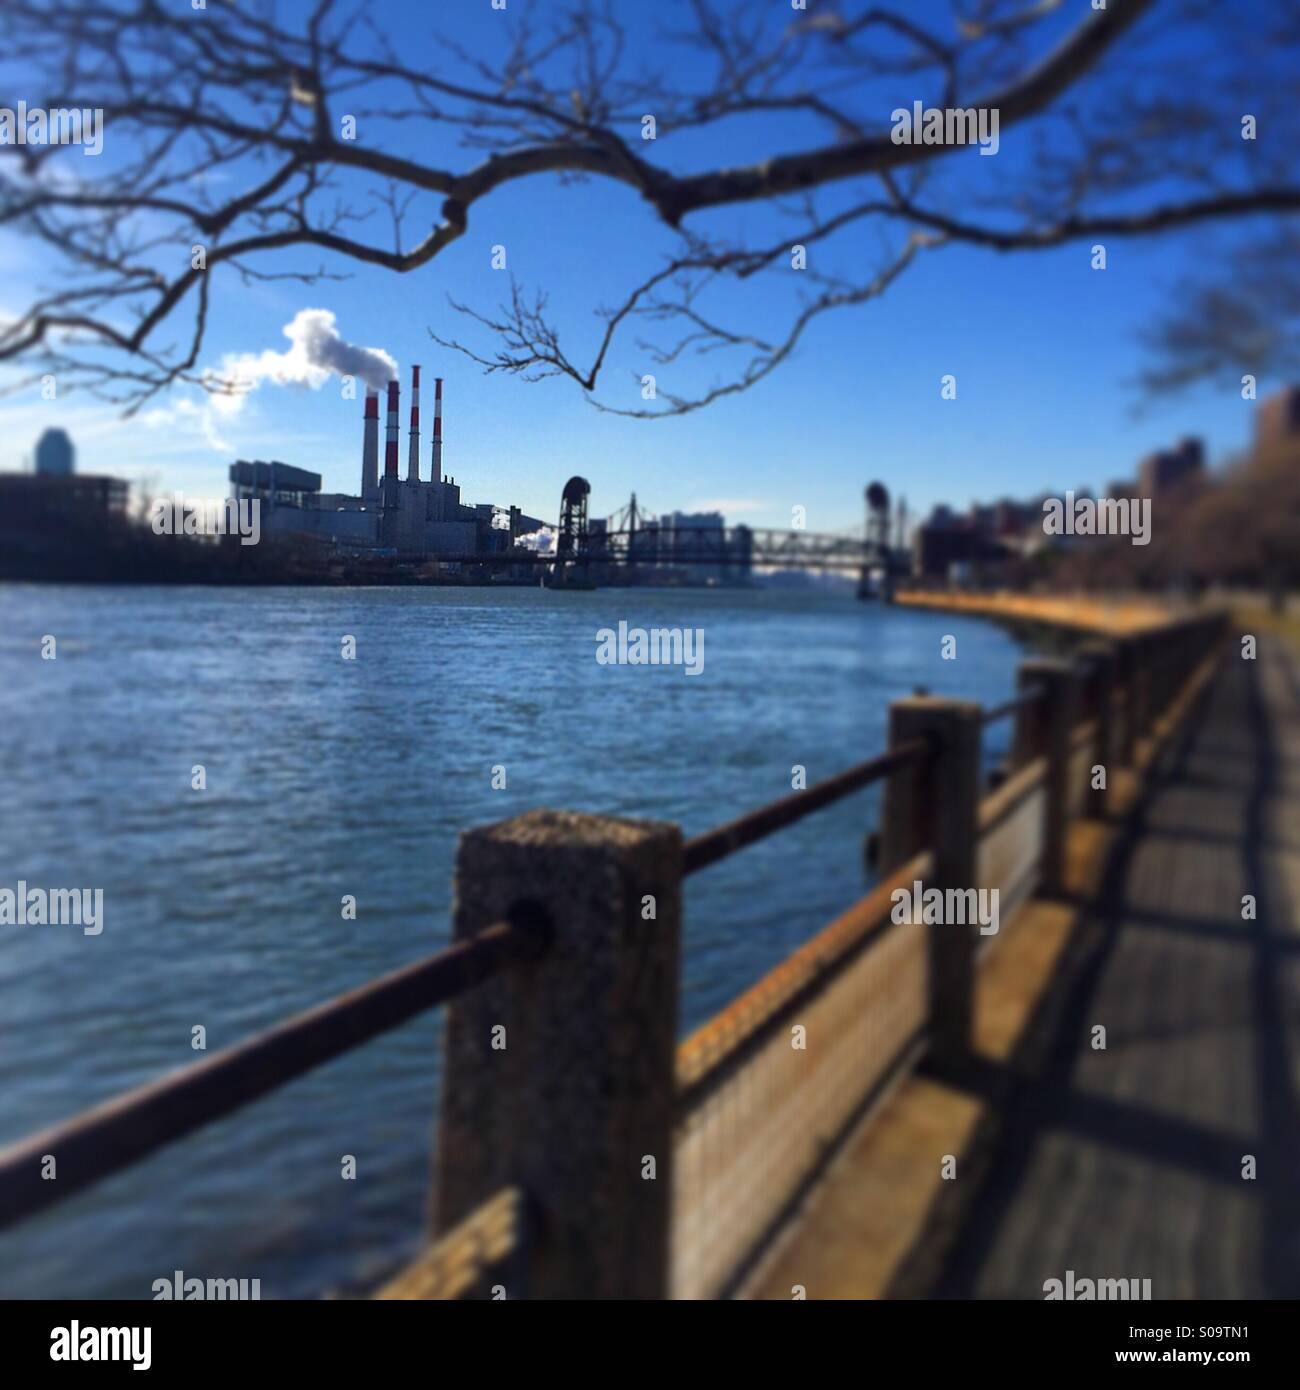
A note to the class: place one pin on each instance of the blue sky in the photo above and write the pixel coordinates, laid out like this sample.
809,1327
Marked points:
1042,347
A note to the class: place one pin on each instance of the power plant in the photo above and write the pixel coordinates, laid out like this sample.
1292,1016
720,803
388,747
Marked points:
407,517
402,527
417,528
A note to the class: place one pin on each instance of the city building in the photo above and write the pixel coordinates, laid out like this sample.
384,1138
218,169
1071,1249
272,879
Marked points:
1277,418
42,501
697,545
946,545
55,498
55,456
991,537
1167,469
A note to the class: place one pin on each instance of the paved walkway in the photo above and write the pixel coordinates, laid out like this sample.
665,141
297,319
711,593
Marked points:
1105,617
1128,1162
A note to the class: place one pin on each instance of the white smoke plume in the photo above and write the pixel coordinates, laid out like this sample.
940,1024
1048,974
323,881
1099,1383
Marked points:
317,351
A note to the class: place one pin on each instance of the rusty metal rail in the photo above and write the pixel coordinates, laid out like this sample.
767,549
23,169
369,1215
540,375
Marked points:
1014,705
713,845
124,1130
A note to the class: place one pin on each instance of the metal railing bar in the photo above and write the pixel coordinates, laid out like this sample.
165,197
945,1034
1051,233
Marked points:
1027,697
125,1129
724,840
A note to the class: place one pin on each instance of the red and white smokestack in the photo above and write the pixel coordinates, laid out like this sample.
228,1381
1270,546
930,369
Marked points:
413,458
390,447
437,429
370,446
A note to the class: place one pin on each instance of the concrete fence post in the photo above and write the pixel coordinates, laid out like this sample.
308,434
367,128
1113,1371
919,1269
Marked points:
559,1072
1058,711
936,805
1105,660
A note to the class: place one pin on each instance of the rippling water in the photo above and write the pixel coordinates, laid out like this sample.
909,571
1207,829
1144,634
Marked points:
328,777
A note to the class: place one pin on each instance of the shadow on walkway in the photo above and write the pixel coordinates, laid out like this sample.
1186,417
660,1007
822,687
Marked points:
1134,1161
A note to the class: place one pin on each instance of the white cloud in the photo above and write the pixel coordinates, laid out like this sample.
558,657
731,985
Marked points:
194,416
189,430
317,351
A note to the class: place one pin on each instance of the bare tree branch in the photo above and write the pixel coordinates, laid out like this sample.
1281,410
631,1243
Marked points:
243,99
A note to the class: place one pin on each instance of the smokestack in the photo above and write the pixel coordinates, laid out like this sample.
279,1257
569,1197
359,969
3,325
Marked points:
413,458
370,447
437,429
390,448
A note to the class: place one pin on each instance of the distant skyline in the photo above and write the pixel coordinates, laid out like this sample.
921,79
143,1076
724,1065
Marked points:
1042,347
1056,416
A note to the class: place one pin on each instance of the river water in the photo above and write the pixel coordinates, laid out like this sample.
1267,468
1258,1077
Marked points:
328,777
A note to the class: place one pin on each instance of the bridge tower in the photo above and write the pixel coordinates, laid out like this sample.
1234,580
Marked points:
876,578
570,570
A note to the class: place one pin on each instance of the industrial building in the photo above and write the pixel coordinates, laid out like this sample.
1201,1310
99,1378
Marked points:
390,514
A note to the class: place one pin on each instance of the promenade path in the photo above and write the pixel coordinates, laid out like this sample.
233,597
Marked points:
1117,617
1126,1162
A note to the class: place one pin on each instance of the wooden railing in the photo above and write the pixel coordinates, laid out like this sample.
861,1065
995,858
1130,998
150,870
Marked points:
582,1152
